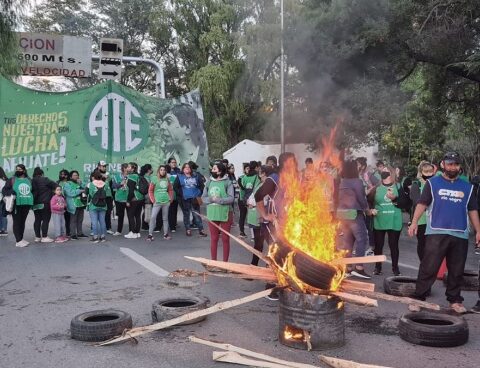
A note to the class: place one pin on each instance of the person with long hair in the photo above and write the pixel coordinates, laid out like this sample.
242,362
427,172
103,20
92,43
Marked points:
351,211
119,184
188,186
107,178
21,186
242,200
160,192
44,189
97,206
146,172
135,202
173,171
3,213
62,180
74,191
219,194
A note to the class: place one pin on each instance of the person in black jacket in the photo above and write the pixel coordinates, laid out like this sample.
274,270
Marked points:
43,189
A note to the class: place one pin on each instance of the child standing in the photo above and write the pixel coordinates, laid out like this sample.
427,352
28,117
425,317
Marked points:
57,206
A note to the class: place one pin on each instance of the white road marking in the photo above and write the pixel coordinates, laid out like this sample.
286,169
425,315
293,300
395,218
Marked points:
152,267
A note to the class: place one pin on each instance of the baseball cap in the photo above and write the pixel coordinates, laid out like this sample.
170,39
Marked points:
452,157
102,163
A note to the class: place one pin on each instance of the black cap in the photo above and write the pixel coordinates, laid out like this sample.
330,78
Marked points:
452,157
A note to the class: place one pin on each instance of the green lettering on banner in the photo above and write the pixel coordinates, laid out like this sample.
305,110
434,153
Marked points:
108,122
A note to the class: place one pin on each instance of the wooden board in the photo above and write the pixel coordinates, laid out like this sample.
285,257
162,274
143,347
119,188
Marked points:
231,357
342,363
354,260
356,299
350,285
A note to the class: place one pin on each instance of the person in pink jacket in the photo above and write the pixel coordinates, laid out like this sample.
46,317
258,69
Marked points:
57,207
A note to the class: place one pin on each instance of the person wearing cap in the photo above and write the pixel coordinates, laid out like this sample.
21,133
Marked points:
450,203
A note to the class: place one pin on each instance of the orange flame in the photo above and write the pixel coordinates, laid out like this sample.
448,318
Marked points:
308,223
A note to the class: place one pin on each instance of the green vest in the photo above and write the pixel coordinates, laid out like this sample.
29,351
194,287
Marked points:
121,194
252,213
248,182
23,191
388,217
242,191
134,177
77,201
161,190
92,189
423,219
215,211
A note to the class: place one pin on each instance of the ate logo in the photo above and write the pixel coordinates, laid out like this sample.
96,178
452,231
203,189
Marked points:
116,125
24,189
214,192
163,184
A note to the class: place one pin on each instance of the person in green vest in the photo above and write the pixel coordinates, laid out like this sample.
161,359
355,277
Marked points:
387,217
160,193
242,206
107,178
62,180
425,171
119,184
219,195
76,202
135,201
20,185
249,182
97,206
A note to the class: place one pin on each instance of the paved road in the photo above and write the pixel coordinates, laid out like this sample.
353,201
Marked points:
43,286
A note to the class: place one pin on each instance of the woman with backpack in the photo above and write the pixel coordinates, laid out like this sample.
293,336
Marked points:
76,202
21,187
160,193
135,201
219,194
3,213
44,188
97,206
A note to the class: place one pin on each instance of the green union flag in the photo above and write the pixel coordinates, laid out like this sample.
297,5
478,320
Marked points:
110,122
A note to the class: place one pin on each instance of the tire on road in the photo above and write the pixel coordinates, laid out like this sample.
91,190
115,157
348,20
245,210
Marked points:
99,325
470,280
433,329
169,308
399,285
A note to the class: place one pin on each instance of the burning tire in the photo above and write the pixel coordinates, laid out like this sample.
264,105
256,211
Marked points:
470,280
168,308
399,285
433,329
99,325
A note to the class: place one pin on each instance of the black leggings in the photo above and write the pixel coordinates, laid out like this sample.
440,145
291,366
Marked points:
120,211
259,239
42,220
19,217
172,215
134,214
108,213
243,215
421,239
393,238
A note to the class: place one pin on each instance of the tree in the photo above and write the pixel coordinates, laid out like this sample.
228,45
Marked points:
10,11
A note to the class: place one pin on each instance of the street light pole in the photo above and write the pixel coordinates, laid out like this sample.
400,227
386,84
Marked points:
282,93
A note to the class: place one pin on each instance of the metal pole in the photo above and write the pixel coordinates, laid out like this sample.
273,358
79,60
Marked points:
282,87
160,78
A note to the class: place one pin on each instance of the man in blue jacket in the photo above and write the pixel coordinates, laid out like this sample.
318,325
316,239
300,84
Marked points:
450,203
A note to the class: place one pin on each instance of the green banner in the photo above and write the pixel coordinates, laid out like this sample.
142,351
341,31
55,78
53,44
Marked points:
111,122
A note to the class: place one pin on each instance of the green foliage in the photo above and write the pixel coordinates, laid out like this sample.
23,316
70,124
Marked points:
10,10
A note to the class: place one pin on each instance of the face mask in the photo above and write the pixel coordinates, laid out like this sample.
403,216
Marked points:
452,174
215,175
18,173
426,177
384,175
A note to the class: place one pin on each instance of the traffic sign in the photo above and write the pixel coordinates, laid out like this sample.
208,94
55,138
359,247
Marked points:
111,54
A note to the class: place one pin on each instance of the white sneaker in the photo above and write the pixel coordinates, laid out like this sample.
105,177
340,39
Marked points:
47,240
21,244
38,240
131,235
138,235
116,233
110,232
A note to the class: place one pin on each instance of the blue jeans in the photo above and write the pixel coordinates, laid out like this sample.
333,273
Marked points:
99,227
187,210
355,236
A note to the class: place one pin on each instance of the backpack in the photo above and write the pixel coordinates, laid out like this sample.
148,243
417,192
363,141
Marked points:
99,199
143,185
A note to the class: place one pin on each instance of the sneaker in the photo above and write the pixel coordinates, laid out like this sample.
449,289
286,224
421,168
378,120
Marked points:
110,232
74,237
130,235
476,308
138,235
458,308
202,233
397,272
116,233
377,271
102,239
91,233
361,273
157,230
95,239
414,308
60,239
188,233
477,250
3,233
46,240
83,236
243,235
167,237
37,240
149,238
369,252
173,231
21,244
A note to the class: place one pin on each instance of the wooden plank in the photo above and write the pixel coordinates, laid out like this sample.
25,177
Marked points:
128,334
249,353
356,299
342,363
350,285
400,299
234,267
239,241
265,278
354,260
231,357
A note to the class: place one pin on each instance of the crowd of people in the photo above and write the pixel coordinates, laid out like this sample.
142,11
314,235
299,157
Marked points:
369,203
